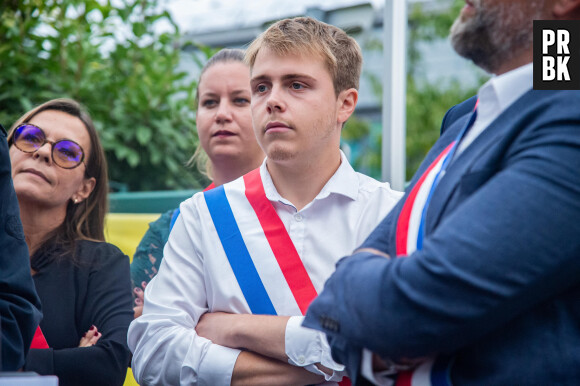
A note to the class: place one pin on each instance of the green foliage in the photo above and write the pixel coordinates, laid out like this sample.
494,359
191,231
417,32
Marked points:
427,101
355,129
426,106
111,59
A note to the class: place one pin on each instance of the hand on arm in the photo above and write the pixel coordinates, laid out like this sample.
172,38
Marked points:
139,300
91,337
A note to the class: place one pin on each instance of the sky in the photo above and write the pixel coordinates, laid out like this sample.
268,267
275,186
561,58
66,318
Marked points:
203,15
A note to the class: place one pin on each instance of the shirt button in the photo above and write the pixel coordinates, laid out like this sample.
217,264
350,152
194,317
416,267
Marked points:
298,217
301,360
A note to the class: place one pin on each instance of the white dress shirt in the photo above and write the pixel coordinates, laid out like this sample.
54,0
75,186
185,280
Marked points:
495,96
195,277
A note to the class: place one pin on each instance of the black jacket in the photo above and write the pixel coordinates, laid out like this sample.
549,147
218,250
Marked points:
19,304
96,290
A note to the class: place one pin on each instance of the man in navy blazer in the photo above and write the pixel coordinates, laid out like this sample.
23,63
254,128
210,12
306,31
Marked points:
19,303
474,277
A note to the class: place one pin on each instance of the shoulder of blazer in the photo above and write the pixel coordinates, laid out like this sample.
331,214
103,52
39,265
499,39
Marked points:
457,111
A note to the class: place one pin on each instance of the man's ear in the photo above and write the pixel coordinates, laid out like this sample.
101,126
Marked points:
567,9
346,104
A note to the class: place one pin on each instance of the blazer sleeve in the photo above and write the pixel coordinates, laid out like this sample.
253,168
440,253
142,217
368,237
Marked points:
19,303
509,246
109,307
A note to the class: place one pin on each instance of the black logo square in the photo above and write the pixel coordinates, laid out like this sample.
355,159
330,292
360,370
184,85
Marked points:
556,54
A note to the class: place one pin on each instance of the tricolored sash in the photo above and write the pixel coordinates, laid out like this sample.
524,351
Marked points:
409,238
409,221
239,249
239,256
432,372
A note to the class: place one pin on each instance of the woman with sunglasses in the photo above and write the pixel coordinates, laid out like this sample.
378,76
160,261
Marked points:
60,178
228,150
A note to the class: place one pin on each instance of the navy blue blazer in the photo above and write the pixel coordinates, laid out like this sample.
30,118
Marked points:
19,303
497,283
457,112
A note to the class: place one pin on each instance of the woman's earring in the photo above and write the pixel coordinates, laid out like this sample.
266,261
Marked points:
76,200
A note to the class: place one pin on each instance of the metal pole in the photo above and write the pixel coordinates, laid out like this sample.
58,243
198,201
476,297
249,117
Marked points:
394,92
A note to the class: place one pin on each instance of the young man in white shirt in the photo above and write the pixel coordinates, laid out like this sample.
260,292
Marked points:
244,260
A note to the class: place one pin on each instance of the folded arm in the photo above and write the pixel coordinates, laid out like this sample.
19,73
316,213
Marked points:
166,347
277,337
511,244
108,306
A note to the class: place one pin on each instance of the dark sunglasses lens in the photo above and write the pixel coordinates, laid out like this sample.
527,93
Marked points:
67,154
28,138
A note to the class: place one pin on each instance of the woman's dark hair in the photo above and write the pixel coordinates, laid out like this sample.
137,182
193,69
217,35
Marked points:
226,55
83,221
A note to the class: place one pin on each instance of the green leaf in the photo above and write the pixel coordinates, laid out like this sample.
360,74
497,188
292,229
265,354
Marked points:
144,135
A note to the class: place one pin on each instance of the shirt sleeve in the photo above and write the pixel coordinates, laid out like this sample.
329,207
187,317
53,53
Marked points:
166,348
306,347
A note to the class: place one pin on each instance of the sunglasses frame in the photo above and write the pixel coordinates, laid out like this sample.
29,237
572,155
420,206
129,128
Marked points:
52,144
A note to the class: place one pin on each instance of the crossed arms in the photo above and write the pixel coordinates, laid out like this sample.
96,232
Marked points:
177,341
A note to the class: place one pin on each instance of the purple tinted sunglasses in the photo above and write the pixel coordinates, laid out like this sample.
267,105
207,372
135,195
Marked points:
65,153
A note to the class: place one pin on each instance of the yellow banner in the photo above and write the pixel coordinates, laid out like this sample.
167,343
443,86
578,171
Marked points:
125,230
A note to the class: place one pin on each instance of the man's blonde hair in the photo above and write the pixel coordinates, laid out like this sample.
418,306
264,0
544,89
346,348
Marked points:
341,53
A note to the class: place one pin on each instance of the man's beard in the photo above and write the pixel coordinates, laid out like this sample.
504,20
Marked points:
495,33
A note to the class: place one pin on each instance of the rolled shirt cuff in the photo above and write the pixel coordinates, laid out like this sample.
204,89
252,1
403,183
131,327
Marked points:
306,347
217,366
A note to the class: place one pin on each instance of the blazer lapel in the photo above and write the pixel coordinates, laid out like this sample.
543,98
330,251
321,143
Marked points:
495,136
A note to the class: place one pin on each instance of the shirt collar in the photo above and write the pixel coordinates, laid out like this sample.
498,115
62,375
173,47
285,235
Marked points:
505,89
342,182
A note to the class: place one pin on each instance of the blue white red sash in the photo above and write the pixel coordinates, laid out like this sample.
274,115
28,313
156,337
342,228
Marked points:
409,238
242,224
409,221
410,226
241,248
432,372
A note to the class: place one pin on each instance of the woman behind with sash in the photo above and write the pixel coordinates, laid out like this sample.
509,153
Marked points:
60,178
228,150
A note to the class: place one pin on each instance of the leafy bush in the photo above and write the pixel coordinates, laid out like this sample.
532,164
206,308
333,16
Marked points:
111,59
427,101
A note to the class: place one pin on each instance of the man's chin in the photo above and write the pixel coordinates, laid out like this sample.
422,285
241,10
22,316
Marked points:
280,154
464,38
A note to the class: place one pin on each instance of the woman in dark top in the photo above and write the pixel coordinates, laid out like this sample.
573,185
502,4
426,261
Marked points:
228,150
60,178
